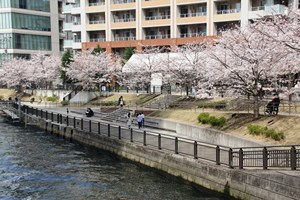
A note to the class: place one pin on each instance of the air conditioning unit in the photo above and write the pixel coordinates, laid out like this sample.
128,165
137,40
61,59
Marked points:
70,1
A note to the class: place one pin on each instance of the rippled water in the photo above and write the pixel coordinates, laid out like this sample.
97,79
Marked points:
38,165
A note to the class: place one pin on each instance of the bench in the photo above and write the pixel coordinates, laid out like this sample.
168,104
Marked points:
12,115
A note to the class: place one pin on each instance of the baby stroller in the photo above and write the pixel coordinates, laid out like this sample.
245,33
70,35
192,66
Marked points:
272,106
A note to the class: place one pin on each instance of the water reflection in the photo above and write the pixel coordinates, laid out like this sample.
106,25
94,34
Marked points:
37,165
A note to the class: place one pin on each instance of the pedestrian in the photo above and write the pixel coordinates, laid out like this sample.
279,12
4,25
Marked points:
67,111
89,112
139,120
121,101
143,120
129,120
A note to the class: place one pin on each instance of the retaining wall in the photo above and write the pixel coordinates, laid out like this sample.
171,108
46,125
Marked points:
241,184
203,134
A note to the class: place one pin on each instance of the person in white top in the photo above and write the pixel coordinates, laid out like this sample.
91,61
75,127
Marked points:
139,120
143,119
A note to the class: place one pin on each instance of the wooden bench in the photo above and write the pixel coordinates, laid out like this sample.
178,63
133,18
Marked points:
12,115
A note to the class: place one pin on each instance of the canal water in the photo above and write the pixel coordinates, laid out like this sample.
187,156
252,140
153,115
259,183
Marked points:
38,165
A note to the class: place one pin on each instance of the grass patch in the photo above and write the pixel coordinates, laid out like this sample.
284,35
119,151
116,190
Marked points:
265,131
52,99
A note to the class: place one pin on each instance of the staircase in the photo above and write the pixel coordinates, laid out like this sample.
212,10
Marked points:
69,96
162,102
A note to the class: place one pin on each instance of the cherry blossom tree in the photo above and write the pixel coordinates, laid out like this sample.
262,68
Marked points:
14,73
91,69
284,32
44,69
243,60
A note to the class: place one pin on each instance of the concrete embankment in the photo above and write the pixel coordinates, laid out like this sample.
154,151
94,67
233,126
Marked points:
242,184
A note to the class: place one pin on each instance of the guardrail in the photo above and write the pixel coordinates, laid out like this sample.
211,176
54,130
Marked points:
266,157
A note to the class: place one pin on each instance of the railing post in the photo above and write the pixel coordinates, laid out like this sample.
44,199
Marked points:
81,124
176,145
265,158
74,122
61,118
67,120
241,159
159,141
46,115
218,155
145,142
52,116
131,135
108,130
90,126
99,126
195,150
230,158
57,119
293,158
41,113
119,132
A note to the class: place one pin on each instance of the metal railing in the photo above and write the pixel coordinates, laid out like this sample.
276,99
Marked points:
97,39
157,17
221,12
157,36
122,1
184,35
124,20
124,38
97,22
197,14
267,157
97,4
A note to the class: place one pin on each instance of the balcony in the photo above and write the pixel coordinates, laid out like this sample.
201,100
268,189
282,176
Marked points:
197,14
185,35
257,12
122,1
151,37
95,7
97,22
97,39
124,20
124,38
157,17
222,12
123,23
67,8
97,4
155,3
68,43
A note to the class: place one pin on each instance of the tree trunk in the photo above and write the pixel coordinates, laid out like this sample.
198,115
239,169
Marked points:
256,106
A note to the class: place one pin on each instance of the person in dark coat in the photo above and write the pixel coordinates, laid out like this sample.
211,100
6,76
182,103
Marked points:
89,112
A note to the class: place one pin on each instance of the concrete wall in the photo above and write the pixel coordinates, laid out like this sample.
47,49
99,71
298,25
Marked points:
84,97
49,93
254,184
207,135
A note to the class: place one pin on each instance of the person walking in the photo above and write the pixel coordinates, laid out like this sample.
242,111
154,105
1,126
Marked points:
121,101
139,120
129,120
143,120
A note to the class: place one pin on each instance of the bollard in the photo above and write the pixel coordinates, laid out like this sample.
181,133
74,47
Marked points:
241,159
144,140
74,122
218,155
195,150
108,130
131,135
159,141
99,126
67,120
81,124
119,132
265,158
176,145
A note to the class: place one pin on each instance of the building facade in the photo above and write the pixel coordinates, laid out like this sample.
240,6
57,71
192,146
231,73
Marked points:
117,24
30,26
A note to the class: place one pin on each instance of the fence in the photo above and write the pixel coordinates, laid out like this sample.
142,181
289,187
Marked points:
287,156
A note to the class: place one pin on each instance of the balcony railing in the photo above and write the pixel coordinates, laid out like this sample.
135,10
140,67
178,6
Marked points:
157,36
124,38
278,8
77,5
122,1
76,23
97,4
197,14
221,12
97,39
77,40
124,20
97,22
157,17
184,35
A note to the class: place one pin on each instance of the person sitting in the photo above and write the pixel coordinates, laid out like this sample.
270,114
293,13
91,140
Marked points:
89,112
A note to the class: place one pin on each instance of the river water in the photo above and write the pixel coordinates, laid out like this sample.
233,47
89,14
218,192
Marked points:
38,165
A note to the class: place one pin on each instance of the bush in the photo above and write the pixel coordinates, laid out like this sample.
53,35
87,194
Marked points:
52,99
1,97
104,103
65,102
270,133
203,118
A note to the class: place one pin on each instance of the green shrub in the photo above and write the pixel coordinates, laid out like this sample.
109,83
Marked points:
52,99
203,118
104,103
270,133
1,97
65,102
